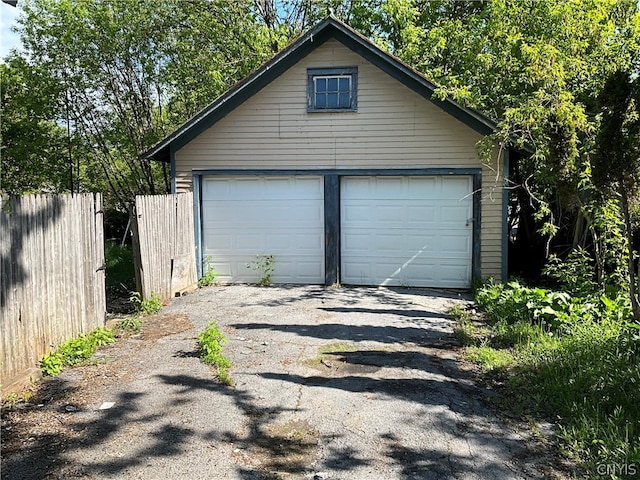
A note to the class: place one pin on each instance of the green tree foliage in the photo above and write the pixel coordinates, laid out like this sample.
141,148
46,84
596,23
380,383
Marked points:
33,147
616,162
130,72
535,66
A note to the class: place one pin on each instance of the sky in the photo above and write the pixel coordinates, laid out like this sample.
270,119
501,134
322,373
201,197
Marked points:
8,39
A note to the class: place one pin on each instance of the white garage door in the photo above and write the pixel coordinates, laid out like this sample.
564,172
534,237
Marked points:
245,216
406,231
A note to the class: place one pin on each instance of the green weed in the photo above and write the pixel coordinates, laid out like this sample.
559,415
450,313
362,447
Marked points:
100,336
12,399
129,325
464,330
75,350
209,278
264,265
211,341
147,307
133,323
490,359
52,364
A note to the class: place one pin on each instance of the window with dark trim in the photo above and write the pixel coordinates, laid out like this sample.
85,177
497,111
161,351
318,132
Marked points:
332,89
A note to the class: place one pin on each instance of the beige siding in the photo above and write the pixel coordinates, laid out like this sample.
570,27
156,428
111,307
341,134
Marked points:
393,128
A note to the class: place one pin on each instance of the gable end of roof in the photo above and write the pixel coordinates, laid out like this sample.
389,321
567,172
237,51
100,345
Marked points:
327,29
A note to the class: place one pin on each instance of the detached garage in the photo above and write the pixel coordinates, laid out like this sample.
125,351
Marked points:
335,158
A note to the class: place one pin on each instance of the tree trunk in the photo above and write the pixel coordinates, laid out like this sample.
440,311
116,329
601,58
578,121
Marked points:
624,199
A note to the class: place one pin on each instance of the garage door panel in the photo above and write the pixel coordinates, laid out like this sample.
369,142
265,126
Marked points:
223,269
421,214
386,242
222,241
460,244
416,184
281,212
406,231
389,213
243,216
422,244
454,188
356,243
358,212
455,214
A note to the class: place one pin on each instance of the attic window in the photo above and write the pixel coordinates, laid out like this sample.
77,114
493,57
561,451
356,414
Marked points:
332,89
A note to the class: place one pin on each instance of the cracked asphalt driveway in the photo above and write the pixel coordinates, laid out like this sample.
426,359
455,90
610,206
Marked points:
347,383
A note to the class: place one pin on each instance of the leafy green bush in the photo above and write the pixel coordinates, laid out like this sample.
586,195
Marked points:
52,364
513,302
75,351
100,336
575,274
211,341
510,302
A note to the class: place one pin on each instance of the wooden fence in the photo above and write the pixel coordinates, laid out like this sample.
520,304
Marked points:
164,245
52,279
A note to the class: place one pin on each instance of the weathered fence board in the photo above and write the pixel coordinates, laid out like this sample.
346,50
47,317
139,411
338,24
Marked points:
52,279
164,245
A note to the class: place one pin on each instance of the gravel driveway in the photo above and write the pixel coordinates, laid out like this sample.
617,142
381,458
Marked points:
348,383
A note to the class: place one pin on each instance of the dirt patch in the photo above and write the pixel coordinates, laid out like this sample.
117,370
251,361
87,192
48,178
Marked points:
338,359
283,449
162,325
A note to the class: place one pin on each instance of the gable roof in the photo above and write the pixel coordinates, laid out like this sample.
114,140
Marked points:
329,28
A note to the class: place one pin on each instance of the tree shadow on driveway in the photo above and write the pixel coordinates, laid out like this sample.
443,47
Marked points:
353,295
359,333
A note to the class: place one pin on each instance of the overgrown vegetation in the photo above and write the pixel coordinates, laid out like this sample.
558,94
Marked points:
120,275
75,350
264,265
133,323
211,340
573,358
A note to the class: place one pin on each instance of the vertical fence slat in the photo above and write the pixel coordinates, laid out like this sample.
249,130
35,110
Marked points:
99,292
